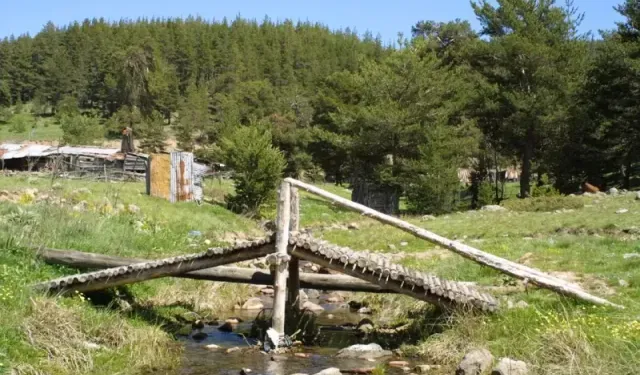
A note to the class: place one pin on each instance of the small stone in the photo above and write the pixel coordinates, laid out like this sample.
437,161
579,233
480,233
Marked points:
638,195
353,226
231,350
363,351
198,324
475,362
91,345
631,255
267,291
312,293
507,366
623,283
312,307
233,321
493,208
226,327
423,369
622,211
521,305
56,186
199,336
132,208
613,191
315,268
330,316
404,243
211,347
207,242
329,371
80,207
253,303
365,310
392,247
302,355
245,371
427,218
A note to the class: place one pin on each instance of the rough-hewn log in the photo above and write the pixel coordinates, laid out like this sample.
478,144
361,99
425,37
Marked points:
520,271
83,260
133,273
376,269
293,282
281,256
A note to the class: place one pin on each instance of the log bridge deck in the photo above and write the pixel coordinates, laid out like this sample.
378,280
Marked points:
373,269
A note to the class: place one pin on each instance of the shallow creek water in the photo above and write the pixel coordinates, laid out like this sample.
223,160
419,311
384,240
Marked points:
197,360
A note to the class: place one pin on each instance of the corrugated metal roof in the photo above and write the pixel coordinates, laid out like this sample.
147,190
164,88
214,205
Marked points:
17,151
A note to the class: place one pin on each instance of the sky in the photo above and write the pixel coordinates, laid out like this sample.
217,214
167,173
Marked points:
386,18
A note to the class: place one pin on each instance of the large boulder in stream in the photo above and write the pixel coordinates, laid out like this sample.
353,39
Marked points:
253,303
369,351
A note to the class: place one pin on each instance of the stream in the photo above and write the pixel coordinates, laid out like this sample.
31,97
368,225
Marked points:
198,360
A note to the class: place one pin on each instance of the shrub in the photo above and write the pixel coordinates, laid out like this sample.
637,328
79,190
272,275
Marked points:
546,189
78,129
257,165
18,124
486,194
544,204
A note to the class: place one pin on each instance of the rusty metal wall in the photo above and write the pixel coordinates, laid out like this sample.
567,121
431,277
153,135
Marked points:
181,187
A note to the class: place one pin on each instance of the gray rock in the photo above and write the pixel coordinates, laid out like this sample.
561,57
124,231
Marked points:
623,283
365,310
493,208
613,191
364,351
508,366
427,218
245,371
253,303
631,255
404,243
212,347
365,328
303,296
475,362
353,226
423,369
622,211
133,208
329,371
312,293
312,307
91,345
638,195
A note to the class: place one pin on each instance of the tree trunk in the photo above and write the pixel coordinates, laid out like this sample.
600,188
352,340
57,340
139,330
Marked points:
627,174
527,155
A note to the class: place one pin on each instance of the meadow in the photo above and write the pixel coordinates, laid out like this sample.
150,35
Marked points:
584,239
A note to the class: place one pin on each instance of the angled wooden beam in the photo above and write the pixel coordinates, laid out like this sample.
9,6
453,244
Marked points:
514,269
133,273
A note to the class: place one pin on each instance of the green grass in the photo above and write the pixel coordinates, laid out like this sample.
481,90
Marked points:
36,129
555,335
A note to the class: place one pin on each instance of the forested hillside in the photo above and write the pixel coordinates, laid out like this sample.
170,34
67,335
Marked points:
526,89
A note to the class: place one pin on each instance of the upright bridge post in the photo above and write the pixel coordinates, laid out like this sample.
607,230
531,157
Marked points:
293,282
281,260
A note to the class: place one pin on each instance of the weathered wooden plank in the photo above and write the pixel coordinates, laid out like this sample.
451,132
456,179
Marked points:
283,217
138,272
293,282
520,271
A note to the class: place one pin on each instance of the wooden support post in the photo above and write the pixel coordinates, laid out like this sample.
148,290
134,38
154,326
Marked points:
514,269
293,282
283,219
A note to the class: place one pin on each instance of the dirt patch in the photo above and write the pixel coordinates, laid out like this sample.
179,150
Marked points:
587,282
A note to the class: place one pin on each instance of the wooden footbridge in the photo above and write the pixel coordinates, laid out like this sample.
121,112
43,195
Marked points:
362,270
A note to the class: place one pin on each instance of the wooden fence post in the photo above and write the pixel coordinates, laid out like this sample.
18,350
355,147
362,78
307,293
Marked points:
293,282
283,219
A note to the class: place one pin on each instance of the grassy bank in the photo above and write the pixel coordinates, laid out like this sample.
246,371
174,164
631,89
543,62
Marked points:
70,335
555,335
583,239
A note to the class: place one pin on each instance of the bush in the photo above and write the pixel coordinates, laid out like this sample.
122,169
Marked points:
544,204
486,194
546,189
257,166
18,124
80,130
434,192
